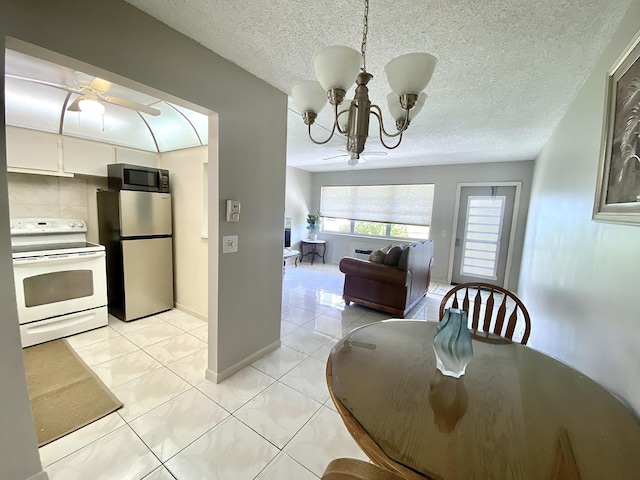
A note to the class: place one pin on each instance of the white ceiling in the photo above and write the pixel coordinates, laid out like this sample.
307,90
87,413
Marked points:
507,69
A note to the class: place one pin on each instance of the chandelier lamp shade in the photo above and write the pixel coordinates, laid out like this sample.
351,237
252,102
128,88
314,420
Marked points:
337,67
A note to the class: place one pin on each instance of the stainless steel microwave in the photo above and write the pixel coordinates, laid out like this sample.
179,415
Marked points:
122,176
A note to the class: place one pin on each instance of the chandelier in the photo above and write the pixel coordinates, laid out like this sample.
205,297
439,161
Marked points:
337,66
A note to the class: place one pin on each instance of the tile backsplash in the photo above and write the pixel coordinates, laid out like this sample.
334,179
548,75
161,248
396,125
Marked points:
48,196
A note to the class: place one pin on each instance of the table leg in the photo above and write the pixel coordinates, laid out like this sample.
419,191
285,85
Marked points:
313,252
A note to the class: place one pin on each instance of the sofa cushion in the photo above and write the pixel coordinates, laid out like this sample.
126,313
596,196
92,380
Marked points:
377,256
404,257
393,255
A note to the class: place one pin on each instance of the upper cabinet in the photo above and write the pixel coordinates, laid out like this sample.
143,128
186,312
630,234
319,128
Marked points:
32,150
87,158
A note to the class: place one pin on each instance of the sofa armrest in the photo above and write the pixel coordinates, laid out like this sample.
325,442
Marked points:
377,272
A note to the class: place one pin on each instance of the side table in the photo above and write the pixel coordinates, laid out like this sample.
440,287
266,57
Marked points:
313,249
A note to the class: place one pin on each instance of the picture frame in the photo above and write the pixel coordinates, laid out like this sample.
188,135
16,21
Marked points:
617,196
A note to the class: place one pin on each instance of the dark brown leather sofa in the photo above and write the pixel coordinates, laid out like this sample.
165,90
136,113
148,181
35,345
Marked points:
392,289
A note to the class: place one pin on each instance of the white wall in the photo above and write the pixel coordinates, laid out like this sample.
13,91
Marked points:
298,203
189,248
445,178
580,278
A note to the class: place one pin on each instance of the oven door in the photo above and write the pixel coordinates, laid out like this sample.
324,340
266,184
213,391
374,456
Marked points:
51,286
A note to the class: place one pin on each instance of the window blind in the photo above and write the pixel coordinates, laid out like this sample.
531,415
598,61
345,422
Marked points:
405,204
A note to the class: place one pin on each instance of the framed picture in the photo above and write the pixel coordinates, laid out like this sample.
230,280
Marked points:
618,189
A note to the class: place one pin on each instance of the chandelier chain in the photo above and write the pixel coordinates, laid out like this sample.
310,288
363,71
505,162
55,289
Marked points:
365,30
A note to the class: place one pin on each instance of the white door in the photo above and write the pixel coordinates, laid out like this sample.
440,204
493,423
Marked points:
483,236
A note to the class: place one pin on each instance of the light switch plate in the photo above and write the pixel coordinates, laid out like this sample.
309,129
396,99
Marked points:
229,243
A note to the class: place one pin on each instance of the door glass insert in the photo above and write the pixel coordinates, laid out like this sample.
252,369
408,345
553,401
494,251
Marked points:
483,230
57,287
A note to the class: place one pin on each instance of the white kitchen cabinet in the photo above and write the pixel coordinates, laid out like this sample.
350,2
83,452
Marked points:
86,157
32,150
136,157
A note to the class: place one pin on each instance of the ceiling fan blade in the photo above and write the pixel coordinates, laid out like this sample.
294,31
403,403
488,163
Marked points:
42,82
101,85
337,156
132,105
75,105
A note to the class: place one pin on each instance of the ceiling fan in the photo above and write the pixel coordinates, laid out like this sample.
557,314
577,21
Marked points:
90,95
356,159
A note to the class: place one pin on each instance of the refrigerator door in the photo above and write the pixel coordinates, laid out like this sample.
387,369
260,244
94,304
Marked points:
148,276
144,213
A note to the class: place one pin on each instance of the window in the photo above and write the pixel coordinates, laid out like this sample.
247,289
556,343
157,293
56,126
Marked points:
482,237
395,211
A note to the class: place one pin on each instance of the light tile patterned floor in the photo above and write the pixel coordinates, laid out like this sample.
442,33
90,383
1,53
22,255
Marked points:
273,420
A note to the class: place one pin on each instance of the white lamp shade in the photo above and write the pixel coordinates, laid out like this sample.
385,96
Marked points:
309,96
393,101
337,67
410,73
91,107
343,121
418,106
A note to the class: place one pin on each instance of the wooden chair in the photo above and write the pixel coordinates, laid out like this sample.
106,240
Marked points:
484,298
352,469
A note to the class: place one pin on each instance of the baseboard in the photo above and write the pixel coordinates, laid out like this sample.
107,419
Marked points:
444,282
191,312
220,376
39,476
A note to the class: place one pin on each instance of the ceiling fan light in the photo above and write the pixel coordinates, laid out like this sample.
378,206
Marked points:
410,73
309,96
91,107
337,67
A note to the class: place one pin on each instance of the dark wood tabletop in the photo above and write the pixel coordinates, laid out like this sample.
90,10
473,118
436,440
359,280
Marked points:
515,414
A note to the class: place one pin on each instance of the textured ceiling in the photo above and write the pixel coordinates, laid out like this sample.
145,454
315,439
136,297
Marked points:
507,69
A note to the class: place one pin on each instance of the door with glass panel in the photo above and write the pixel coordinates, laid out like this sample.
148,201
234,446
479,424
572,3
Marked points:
483,234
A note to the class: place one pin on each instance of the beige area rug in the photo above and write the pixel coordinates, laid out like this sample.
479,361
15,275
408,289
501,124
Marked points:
64,392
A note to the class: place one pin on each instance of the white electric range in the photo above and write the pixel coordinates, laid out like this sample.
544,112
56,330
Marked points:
60,279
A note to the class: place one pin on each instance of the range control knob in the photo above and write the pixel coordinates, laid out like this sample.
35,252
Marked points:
80,224
72,224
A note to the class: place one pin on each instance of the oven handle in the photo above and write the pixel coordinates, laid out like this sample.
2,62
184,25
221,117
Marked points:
73,257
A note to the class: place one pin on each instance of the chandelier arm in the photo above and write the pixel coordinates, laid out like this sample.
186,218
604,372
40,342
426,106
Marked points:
381,128
333,129
378,115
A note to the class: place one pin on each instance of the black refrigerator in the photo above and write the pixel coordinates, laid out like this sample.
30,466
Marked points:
136,229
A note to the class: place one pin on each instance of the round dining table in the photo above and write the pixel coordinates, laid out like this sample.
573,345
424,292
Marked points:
515,414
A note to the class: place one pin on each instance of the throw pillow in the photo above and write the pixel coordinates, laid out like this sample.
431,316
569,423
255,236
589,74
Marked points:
393,255
377,256
386,249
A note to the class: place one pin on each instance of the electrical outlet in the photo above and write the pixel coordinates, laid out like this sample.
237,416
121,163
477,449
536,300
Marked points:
229,243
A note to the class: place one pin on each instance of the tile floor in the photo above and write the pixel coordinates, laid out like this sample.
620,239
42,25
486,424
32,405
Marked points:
273,420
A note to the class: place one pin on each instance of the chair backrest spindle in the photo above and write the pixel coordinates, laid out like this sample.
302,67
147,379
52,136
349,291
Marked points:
505,317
